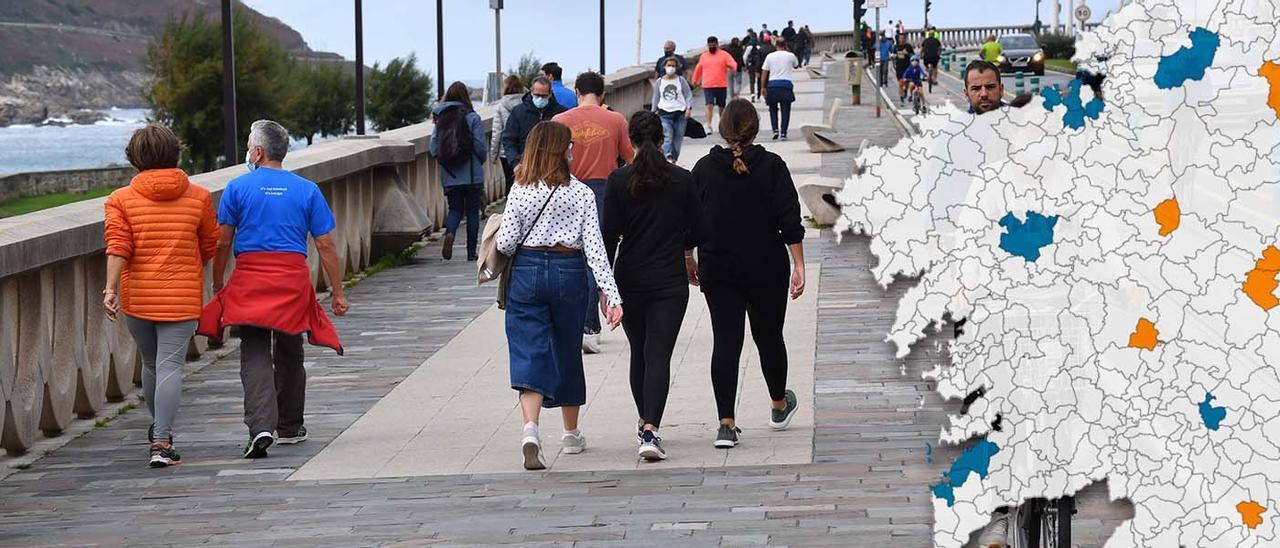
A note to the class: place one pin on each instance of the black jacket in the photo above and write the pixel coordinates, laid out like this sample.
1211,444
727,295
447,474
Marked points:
521,121
750,219
654,228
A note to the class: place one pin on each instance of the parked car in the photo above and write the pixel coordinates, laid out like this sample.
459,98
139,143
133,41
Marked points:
1021,53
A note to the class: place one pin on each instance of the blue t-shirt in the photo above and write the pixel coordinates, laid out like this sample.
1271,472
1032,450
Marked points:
273,210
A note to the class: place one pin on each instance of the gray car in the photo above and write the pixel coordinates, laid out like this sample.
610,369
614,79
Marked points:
1021,53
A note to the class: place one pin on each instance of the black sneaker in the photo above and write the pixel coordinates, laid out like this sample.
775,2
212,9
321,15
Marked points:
651,447
297,437
775,136
163,454
780,418
446,250
727,436
784,136
151,434
257,447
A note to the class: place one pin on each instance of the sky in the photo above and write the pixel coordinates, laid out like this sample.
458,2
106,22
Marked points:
567,31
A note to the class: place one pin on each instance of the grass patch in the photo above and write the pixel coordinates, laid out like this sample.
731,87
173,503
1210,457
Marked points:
1060,65
102,422
23,466
127,408
29,204
390,260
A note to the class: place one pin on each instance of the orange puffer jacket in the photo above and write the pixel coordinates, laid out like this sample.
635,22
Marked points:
166,230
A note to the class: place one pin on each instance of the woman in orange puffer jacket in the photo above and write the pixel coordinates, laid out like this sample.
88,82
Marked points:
160,232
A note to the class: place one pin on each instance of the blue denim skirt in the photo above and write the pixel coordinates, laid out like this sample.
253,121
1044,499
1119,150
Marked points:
546,309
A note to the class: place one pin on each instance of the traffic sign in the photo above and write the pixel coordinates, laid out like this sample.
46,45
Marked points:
877,3
1083,13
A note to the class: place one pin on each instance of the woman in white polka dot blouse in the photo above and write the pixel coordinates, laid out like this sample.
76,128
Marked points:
551,227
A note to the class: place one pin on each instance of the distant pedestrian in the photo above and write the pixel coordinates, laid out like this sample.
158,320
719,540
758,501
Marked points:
458,144
550,228
931,53
805,39
991,50
757,66
886,57
673,103
564,95
668,52
599,144
160,232
268,214
868,43
539,105
711,74
779,90
652,219
902,52
753,219
750,38
512,95
789,32
891,31
736,51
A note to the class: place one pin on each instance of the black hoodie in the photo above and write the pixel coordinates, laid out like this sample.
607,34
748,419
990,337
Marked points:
750,218
521,121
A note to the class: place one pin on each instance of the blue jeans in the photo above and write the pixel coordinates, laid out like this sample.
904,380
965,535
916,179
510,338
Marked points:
592,324
465,199
673,126
545,306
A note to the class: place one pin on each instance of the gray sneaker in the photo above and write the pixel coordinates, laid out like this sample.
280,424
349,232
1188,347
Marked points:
727,436
651,447
531,450
573,444
781,418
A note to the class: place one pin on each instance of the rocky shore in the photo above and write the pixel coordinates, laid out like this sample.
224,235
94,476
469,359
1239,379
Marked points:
65,96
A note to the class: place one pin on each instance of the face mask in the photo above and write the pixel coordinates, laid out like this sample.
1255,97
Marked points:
712,49
248,154
668,52
671,70
541,102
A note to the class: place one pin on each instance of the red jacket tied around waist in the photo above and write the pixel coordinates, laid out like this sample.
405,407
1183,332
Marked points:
272,290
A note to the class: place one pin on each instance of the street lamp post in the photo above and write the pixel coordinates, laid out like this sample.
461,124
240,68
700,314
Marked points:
440,48
359,68
230,132
601,36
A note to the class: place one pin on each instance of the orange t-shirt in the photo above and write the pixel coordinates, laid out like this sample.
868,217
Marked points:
599,140
712,69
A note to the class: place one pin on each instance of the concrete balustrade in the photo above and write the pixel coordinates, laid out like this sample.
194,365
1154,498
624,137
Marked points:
963,38
61,359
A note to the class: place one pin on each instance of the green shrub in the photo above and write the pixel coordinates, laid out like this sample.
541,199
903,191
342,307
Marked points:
1058,46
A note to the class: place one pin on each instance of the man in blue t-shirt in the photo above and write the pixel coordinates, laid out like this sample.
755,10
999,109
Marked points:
269,213
565,96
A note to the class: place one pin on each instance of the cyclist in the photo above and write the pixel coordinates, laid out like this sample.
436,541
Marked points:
931,53
902,53
914,77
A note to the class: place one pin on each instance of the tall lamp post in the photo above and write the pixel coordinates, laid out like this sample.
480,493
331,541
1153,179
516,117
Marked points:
230,132
440,48
601,36
359,68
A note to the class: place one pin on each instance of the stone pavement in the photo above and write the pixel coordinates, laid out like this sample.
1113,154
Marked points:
874,425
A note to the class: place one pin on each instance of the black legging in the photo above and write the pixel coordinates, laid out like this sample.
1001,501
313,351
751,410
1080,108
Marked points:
652,323
767,308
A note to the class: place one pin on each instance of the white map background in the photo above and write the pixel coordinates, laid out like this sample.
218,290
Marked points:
1049,339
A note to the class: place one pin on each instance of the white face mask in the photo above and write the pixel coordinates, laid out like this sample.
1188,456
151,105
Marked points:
249,154
671,70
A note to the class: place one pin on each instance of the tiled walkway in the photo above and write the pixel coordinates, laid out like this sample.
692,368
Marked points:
874,423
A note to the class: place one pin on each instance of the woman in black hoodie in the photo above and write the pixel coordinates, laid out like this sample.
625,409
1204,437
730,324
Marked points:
652,207
753,218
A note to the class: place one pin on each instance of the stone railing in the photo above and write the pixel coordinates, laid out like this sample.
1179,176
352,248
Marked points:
40,183
61,359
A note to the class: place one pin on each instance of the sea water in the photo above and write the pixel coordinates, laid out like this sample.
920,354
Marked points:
50,147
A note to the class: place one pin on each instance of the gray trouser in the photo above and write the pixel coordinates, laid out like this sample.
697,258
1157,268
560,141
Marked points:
275,383
163,346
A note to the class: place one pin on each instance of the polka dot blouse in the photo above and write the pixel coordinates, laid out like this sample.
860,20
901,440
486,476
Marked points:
570,220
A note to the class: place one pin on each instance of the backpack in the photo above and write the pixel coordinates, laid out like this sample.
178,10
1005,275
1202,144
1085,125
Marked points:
456,148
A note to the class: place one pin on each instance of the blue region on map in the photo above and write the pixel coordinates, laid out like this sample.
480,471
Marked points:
976,459
1025,239
1077,110
1188,63
1210,414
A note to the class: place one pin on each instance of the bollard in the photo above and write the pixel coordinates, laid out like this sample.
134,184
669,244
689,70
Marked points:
1019,85
1035,85
964,66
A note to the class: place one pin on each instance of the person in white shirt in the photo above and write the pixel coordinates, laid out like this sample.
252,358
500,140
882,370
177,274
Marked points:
779,92
551,229
673,103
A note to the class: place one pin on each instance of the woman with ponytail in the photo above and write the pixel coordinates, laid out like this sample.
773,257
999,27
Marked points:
651,217
753,219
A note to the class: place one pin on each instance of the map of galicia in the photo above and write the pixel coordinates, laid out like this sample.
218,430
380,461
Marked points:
1116,259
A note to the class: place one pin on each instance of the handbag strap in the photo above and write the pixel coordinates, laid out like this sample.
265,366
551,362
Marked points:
539,216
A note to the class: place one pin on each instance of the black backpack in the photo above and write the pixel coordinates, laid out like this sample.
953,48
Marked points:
456,148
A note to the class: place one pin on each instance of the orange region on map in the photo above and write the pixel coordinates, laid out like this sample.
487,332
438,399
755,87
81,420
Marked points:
1168,216
1144,336
1260,283
1250,513
1271,71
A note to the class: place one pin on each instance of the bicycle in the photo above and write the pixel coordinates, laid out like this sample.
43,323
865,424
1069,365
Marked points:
918,104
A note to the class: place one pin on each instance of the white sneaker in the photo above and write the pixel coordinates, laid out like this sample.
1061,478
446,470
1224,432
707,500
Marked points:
531,447
591,343
996,533
573,444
